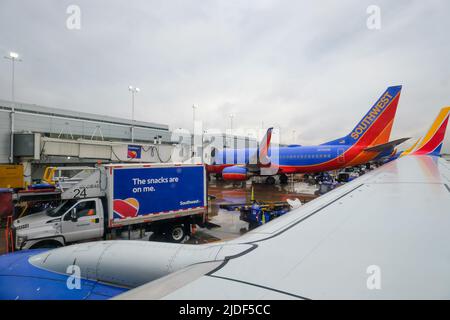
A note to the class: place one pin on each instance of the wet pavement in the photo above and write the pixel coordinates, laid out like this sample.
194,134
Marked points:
230,225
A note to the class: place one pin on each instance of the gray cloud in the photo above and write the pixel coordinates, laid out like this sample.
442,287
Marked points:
302,66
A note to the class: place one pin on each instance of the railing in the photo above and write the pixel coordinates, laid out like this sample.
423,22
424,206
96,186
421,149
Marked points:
9,237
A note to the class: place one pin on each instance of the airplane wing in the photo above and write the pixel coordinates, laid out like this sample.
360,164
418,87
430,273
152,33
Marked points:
384,235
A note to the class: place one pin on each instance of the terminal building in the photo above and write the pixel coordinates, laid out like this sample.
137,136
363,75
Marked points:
45,136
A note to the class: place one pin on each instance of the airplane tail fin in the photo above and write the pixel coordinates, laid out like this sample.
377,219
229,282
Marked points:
376,125
432,142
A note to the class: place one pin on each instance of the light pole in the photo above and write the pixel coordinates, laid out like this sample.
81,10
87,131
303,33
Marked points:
13,56
193,130
231,123
231,130
193,117
203,145
133,91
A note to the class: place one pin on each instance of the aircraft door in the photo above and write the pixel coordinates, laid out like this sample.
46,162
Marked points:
341,155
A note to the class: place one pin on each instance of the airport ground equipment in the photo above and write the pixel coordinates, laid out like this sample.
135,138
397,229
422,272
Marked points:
258,214
11,176
166,199
53,175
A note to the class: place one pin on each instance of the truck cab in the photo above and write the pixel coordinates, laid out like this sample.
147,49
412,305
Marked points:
73,220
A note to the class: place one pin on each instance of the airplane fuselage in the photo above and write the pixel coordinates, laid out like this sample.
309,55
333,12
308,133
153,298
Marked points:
299,159
372,131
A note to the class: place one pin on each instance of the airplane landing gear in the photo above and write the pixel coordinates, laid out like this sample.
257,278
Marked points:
284,179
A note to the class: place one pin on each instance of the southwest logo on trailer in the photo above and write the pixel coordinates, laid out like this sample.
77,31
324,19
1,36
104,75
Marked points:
371,117
132,154
127,208
185,203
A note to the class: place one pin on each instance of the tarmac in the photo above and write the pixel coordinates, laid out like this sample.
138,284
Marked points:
230,226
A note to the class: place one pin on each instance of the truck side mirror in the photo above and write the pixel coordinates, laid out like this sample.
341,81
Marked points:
73,215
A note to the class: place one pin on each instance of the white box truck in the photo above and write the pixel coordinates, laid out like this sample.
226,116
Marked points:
166,199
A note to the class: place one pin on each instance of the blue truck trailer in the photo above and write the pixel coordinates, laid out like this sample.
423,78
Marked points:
165,199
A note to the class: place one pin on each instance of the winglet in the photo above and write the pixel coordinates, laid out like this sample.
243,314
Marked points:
261,157
264,146
432,142
410,149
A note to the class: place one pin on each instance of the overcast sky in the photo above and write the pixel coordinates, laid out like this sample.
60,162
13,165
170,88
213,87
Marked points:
309,66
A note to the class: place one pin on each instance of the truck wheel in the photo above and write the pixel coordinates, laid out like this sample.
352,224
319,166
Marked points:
270,180
176,233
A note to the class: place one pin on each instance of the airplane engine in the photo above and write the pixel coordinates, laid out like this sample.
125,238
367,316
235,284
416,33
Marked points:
119,263
235,173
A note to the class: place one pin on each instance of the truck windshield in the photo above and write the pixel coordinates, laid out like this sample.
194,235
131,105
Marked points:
61,209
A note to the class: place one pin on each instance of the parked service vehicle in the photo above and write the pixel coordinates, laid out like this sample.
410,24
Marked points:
163,198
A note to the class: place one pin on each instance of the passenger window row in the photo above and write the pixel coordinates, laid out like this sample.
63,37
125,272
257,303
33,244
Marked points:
307,156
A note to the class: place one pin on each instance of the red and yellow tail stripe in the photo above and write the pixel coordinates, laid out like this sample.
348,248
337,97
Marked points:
410,149
432,141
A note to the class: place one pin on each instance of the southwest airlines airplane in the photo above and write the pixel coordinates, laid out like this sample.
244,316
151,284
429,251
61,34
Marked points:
384,235
368,141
